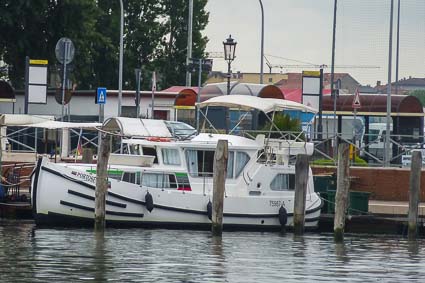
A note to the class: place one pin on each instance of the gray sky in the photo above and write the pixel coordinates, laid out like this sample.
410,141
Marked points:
302,30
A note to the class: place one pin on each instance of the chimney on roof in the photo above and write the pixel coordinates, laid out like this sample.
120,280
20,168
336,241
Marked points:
378,83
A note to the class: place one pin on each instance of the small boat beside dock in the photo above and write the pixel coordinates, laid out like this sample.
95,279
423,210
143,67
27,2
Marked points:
166,182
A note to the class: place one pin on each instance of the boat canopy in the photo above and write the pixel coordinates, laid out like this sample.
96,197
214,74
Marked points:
248,103
46,122
138,128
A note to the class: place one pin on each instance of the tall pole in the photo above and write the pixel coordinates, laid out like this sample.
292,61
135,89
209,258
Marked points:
262,42
121,59
153,95
27,68
320,124
189,43
228,92
65,58
138,73
332,78
397,48
198,98
388,129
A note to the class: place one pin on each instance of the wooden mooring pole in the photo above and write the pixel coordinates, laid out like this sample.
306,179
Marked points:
301,181
219,181
342,190
414,188
101,182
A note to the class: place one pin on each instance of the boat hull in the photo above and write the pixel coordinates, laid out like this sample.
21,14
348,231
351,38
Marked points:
65,196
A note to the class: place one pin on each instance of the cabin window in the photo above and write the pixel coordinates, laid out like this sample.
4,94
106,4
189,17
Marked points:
200,163
152,152
170,156
115,174
241,160
283,182
159,180
131,177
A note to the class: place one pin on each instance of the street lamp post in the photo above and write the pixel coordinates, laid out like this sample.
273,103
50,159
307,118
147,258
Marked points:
262,43
333,92
387,157
121,59
229,56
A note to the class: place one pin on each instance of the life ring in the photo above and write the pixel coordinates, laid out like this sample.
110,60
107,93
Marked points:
158,139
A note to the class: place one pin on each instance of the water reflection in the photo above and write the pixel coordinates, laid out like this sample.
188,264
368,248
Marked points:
299,246
99,257
341,252
220,260
126,255
413,248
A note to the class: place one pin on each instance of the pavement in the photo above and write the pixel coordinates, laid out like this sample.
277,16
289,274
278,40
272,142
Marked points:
393,208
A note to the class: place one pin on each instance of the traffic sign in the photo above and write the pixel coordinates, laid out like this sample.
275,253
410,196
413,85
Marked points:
356,101
65,50
101,95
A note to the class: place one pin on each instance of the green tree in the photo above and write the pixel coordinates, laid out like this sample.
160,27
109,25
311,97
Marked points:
171,63
155,38
32,28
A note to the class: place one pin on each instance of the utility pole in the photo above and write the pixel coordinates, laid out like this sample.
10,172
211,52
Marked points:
262,42
189,44
397,48
121,59
332,78
388,129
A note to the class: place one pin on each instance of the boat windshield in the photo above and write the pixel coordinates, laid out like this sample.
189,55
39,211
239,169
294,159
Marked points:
200,163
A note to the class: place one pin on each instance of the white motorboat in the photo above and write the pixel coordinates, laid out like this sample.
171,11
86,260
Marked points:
165,182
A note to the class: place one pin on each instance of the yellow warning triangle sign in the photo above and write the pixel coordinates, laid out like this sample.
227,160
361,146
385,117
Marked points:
356,101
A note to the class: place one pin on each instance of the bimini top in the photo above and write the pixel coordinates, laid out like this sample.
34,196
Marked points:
138,128
248,103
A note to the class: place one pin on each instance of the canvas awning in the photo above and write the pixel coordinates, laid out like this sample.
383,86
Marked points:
23,119
41,121
64,125
138,128
248,103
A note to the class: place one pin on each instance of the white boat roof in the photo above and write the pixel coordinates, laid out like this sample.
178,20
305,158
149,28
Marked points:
46,122
248,103
232,140
202,140
64,125
23,119
135,127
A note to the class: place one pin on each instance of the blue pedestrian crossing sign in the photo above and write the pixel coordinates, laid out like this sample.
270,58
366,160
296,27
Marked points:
101,95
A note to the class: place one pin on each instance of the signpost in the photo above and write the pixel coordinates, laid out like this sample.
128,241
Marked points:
312,89
64,52
100,99
35,82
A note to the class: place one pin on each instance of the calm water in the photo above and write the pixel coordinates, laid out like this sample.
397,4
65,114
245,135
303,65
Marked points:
120,255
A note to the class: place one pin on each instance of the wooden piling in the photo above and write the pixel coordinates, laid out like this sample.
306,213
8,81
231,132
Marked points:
343,186
219,181
301,181
101,182
414,188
